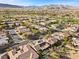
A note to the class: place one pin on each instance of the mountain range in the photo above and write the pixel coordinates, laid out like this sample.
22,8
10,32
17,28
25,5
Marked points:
2,5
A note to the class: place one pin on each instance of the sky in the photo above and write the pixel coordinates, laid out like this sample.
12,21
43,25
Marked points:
41,2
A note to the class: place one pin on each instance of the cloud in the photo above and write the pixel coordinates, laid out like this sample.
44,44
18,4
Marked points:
15,2
7,1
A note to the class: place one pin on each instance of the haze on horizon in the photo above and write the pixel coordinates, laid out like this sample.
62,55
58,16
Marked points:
41,2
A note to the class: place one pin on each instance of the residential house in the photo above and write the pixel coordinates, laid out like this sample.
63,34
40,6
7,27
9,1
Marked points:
40,45
51,21
17,23
43,28
21,52
3,38
58,36
9,23
51,40
75,41
22,29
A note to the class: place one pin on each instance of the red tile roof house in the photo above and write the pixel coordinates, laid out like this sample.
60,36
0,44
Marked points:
21,52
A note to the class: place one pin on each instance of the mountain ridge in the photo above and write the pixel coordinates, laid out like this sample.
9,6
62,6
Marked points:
52,6
2,5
